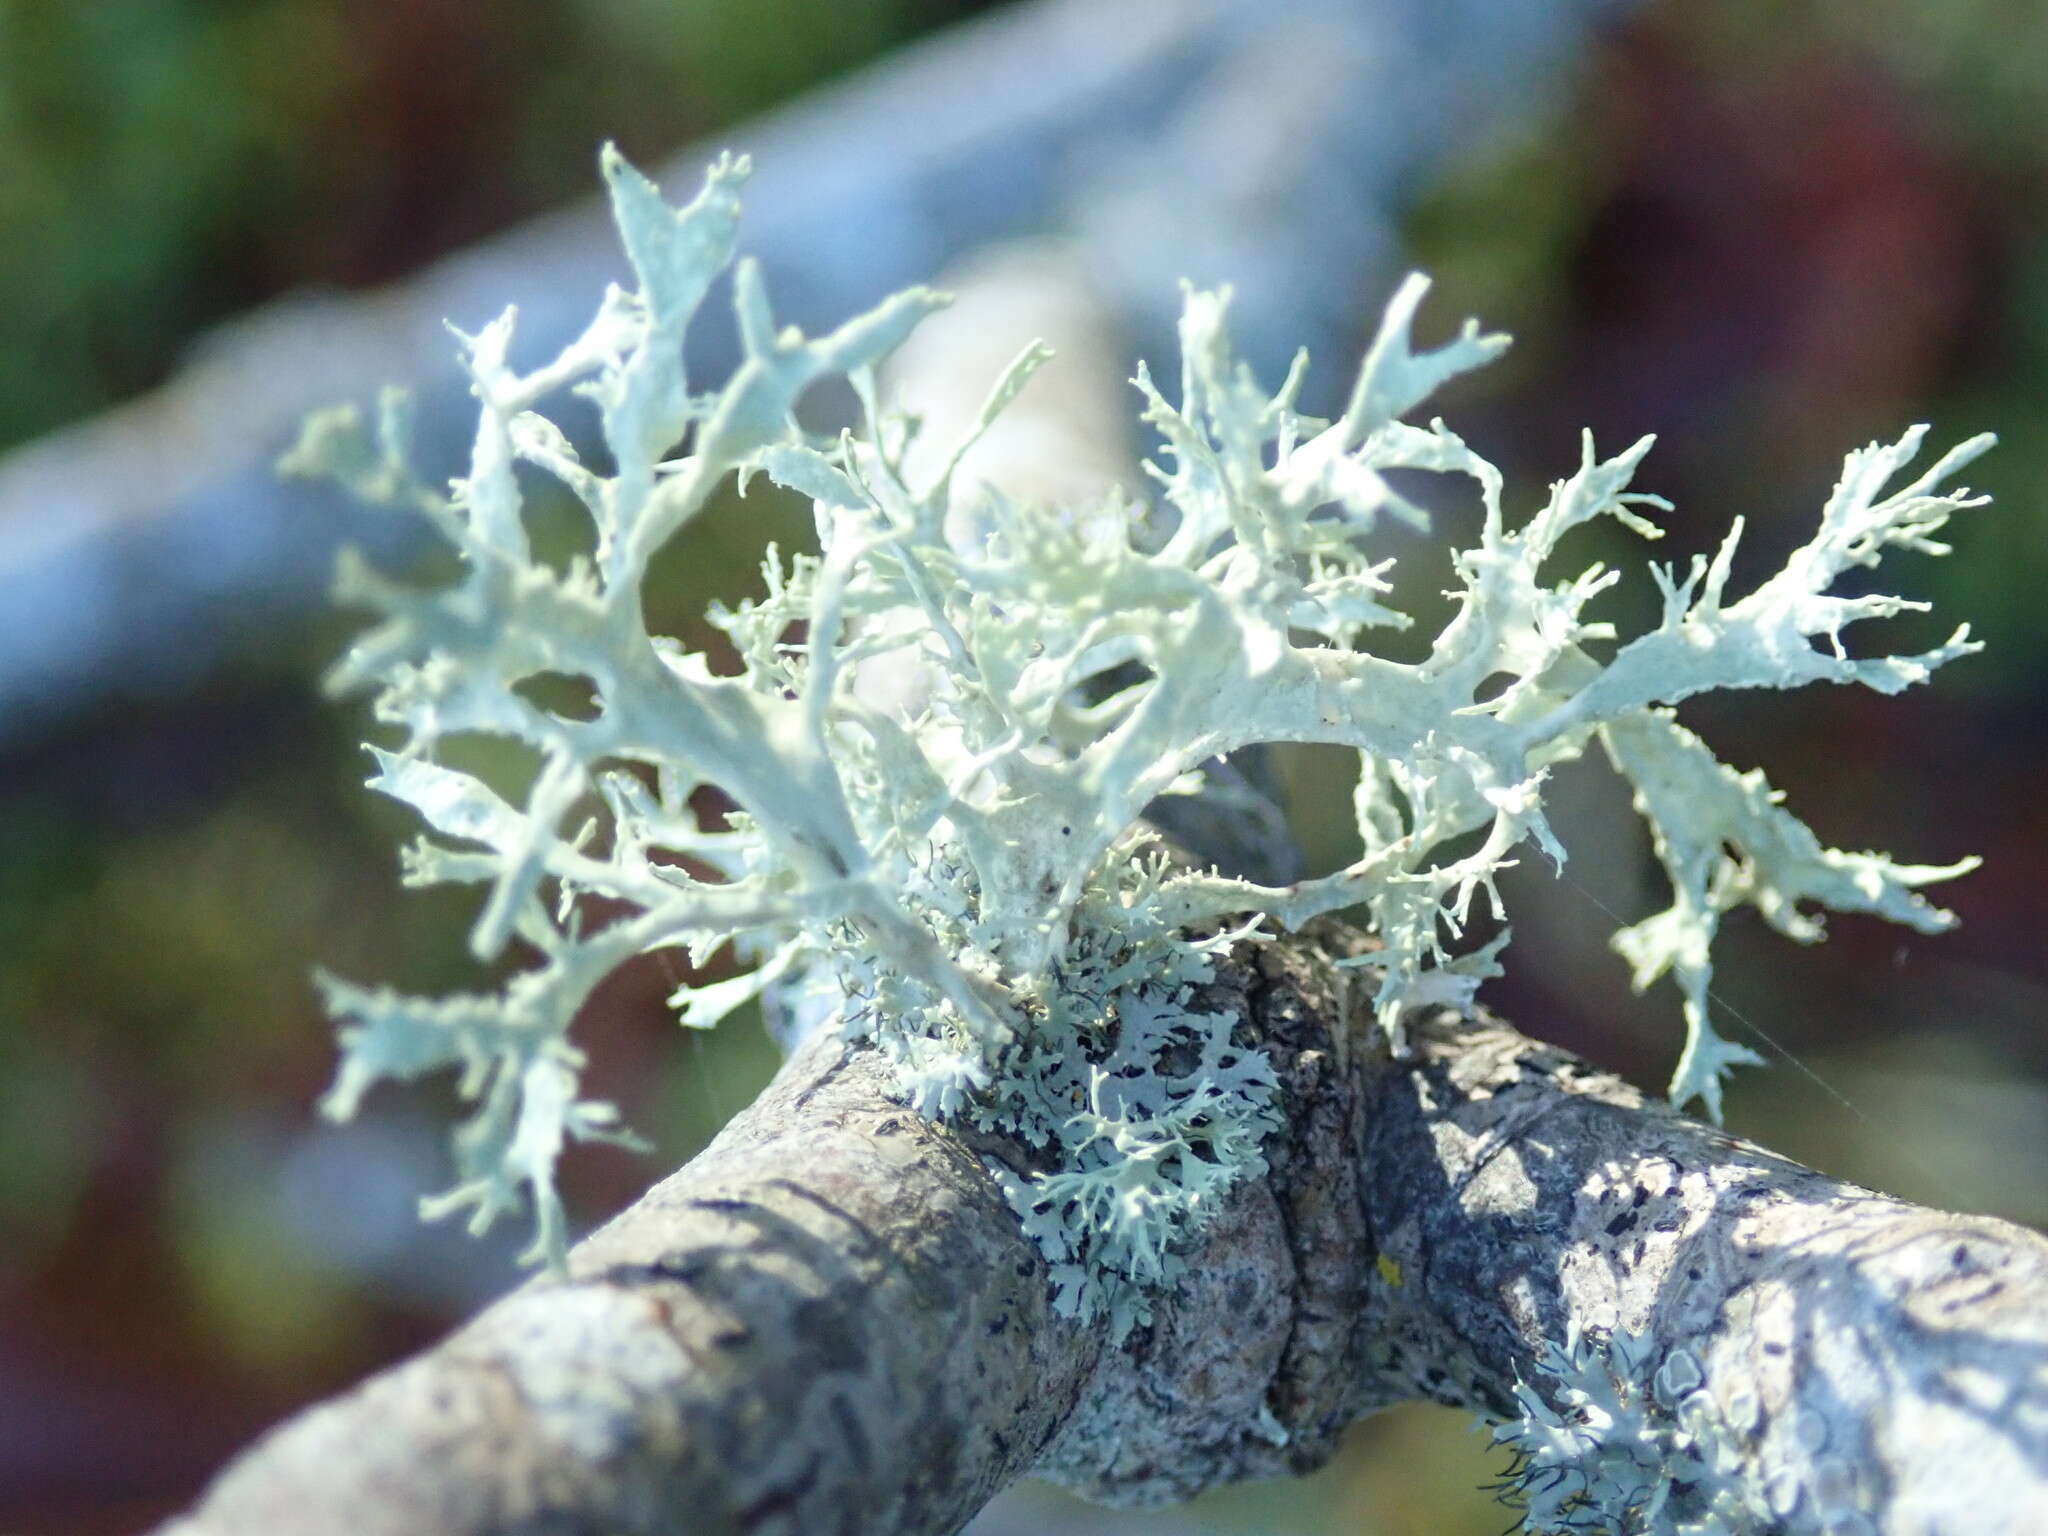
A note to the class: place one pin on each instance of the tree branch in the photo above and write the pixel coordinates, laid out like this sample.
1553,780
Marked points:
829,1320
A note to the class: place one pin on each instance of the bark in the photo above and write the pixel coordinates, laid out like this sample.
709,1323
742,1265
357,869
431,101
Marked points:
829,1322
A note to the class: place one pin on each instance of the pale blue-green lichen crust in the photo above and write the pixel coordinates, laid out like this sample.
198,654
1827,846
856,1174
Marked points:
1604,1446
949,717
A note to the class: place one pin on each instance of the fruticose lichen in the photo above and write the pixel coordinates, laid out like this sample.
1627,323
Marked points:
948,719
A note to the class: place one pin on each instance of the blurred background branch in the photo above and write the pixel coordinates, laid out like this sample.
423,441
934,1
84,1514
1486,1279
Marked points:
1213,140
1767,232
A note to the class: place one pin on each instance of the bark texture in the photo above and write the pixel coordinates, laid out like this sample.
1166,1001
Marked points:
1898,1356
829,1321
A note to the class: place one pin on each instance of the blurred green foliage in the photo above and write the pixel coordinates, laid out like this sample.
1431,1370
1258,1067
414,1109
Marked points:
167,163
1770,231
1793,229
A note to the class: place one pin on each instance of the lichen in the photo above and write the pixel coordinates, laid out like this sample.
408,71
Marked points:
1605,1448
945,723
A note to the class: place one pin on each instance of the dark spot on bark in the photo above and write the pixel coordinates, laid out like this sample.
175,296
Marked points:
682,1267
1242,1291
1642,1193
822,1326
1962,1255
780,1501
736,1337
1621,1223
685,1267
1774,1349
853,1433
1000,1325
889,1127
1025,1267
941,1443
1001,1444
1692,1274
719,1203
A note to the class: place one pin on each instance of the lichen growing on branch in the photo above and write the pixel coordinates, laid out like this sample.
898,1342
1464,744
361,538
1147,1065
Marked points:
948,719
1607,1446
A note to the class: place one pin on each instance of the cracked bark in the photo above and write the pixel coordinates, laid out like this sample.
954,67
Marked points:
829,1321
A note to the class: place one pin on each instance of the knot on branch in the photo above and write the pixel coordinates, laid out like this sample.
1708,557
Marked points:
1248,1368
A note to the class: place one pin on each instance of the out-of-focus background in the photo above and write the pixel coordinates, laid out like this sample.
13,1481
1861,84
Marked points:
1765,232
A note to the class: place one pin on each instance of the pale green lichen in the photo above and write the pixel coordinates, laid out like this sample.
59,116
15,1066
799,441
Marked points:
1605,1448
948,720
